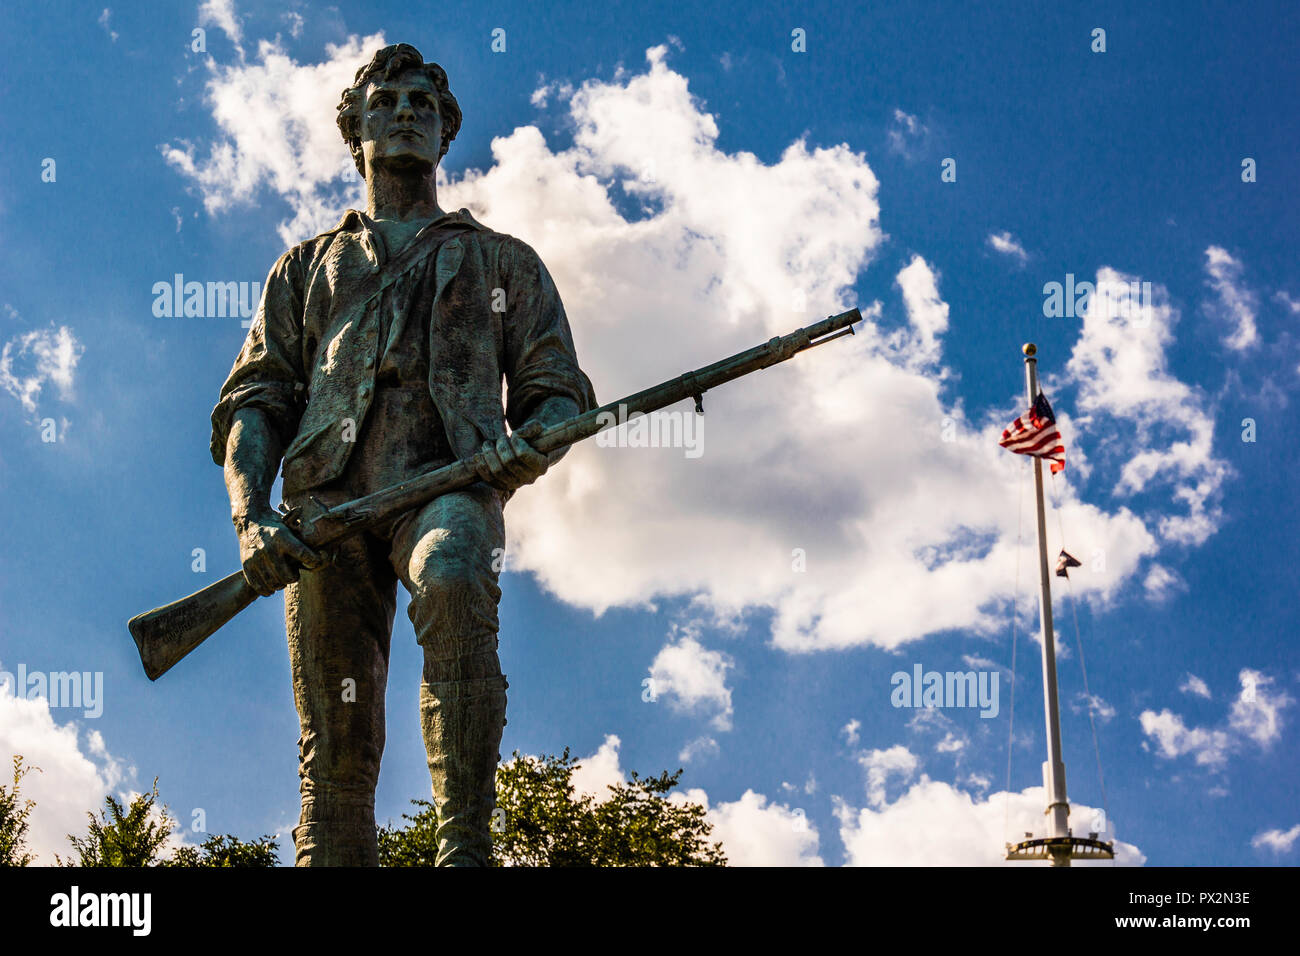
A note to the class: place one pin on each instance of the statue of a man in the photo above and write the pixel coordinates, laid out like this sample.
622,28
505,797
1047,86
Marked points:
377,353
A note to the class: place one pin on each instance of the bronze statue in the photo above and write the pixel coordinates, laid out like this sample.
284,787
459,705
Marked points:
378,353
373,369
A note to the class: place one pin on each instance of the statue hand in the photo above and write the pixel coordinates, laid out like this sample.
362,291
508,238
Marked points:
272,557
510,462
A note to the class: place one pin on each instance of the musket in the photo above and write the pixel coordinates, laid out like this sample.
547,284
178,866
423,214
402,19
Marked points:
166,634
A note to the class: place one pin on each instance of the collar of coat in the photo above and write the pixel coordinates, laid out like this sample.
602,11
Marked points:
358,222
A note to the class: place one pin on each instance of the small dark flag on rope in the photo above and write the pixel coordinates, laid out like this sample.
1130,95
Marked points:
1064,563
1035,433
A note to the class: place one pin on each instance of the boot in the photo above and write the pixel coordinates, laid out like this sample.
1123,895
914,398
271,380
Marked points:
463,723
332,835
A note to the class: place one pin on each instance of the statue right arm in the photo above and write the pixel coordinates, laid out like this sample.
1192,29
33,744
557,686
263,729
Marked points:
272,557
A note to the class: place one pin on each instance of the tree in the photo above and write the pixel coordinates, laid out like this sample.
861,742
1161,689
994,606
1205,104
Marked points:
541,821
223,850
124,836
14,812
134,836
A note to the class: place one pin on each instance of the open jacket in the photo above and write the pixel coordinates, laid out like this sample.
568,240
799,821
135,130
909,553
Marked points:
311,353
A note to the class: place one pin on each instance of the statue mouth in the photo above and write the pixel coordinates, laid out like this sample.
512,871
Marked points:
406,131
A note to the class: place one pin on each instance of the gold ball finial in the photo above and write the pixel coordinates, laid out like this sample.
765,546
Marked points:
1030,349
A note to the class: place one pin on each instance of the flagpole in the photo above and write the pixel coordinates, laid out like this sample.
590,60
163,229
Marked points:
1058,806
1060,846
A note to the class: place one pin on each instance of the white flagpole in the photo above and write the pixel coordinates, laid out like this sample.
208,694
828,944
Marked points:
1058,806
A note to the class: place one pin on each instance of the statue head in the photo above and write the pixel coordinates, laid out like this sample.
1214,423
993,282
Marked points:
398,108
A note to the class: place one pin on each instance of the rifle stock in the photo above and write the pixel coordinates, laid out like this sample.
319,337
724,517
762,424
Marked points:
166,634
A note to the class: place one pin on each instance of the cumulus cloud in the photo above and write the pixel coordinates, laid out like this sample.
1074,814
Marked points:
1161,583
597,773
697,748
927,313
666,262
1008,245
1279,841
753,832
756,832
76,771
1194,685
221,14
880,765
277,132
1238,305
850,731
105,21
693,679
906,134
934,823
1255,716
1120,366
32,359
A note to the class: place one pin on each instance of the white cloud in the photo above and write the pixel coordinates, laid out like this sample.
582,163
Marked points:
1255,716
104,21
1008,245
1279,841
1120,367
1194,685
76,772
699,747
31,359
597,773
693,679
752,831
1257,712
850,731
1101,710
1161,583
703,273
926,311
1176,739
277,122
1237,304
906,133
880,765
1283,297
938,824
221,14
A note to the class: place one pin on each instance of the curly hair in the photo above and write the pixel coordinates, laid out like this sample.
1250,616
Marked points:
388,63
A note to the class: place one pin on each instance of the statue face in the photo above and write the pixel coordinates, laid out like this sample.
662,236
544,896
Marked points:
400,123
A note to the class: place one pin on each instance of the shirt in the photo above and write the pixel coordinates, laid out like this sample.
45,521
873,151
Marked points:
311,355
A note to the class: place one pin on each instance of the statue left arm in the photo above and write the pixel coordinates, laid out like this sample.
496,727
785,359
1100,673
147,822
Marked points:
544,382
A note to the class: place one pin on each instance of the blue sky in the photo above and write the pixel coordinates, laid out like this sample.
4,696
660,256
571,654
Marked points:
687,176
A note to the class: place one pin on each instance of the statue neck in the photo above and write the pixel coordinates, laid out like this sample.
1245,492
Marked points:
403,193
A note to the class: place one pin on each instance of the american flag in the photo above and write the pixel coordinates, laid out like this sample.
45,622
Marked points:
1035,433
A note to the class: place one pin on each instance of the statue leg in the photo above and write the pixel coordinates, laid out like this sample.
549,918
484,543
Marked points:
445,554
340,622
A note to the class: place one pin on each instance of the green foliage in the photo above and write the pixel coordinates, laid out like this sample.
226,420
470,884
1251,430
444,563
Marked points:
413,845
14,812
542,821
129,836
225,850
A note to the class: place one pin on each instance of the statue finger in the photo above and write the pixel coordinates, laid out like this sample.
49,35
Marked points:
536,462
496,467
